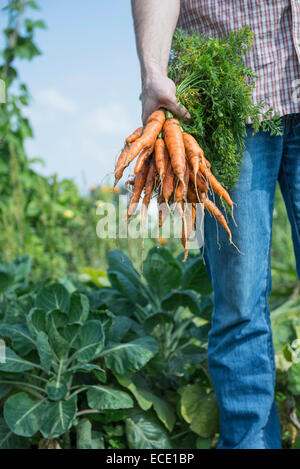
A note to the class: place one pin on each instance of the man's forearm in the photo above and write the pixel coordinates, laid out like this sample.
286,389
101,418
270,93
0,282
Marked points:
155,22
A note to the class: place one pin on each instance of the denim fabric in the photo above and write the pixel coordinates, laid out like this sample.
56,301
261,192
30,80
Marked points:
240,351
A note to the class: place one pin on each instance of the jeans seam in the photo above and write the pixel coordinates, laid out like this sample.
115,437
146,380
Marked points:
284,173
270,349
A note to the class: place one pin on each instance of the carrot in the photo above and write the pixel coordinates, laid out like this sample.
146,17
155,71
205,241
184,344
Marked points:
200,183
138,187
168,183
149,186
193,196
213,209
135,135
162,210
153,127
143,156
182,187
207,162
161,157
121,164
175,144
217,187
190,217
194,152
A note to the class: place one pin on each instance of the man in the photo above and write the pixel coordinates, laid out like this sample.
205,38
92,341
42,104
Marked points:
240,352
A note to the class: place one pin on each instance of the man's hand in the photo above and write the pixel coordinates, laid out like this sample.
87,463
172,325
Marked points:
158,91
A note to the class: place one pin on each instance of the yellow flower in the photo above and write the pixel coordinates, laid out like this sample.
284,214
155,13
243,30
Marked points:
106,189
69,213
161,241
93,188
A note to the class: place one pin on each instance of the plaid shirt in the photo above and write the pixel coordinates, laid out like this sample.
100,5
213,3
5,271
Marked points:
275,56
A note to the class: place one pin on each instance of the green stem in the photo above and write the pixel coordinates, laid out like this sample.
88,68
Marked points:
24,385
88,411
81,389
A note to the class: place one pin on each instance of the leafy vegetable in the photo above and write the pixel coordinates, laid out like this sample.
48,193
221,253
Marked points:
215,86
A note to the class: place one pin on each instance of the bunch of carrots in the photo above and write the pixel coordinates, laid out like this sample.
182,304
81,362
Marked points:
170,164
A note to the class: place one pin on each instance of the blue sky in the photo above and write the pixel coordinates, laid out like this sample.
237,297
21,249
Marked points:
85,87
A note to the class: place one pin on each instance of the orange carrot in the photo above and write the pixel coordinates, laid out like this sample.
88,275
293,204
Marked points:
138,187
153,127
217,187
182,187
161,157
194,196
200,183
135,135
140,161
190,217
213,209
150,184
194,152
168,183
175,144
121,164
163,210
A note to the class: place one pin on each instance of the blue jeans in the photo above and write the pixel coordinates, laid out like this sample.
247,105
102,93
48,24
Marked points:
240,351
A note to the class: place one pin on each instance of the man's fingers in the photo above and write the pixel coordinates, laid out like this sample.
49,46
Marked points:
178,110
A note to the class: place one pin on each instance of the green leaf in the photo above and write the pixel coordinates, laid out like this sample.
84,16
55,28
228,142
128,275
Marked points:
113,300
58,343
129,357
23,414
125,286
86,438
79,309
98,277
6,276
20,336
104,397
157,318
4,389
44,351
294,379
163,409
190,399
195,278
14,363
92,341
139,393
10,441
162,271
56,389
203,443
144,432
52,297
120,328
22,267
185,298
58,417
200,410
36,321
119,262
87,368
